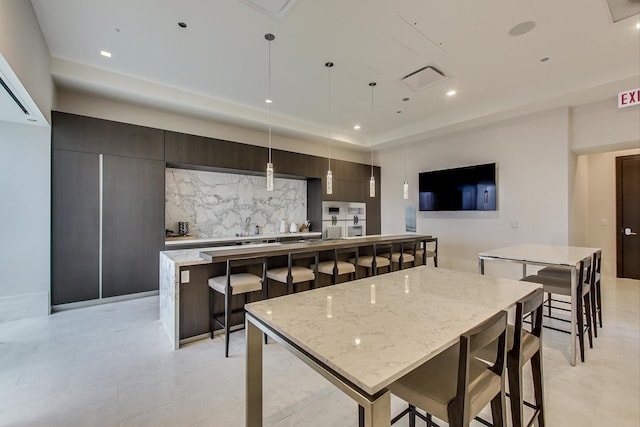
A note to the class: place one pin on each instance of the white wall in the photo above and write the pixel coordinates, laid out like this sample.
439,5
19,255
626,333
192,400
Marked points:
602,126
25,164
24,48
532,157
25,178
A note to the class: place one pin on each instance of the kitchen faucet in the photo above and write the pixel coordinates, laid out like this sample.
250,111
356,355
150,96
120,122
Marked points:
247,225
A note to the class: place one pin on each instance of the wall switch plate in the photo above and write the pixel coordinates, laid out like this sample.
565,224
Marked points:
604,222
514,224
184,276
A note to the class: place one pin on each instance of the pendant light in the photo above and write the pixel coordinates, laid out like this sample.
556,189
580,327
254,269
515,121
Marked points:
269,37
372,182
405,186
329,174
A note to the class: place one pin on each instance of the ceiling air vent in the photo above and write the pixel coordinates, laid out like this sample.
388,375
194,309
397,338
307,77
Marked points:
621,9
275,8
12,96
423,78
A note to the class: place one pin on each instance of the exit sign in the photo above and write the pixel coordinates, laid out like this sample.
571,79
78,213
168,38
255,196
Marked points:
628,98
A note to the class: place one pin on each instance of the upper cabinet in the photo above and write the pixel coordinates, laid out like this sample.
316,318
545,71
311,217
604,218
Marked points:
79,133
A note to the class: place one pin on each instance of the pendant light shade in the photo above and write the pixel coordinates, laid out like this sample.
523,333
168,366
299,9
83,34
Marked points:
372,181
329,174
269,176
405,190
269,37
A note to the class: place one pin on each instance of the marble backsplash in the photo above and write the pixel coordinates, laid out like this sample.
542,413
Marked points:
217,204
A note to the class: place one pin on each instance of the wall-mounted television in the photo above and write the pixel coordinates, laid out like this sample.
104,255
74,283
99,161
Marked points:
471,188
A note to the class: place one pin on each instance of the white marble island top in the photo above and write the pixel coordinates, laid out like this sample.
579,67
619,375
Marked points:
543,254
372,331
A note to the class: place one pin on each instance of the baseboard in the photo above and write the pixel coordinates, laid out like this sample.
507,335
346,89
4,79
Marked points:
89,303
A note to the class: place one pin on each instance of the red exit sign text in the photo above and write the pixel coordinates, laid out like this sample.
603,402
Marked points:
629,98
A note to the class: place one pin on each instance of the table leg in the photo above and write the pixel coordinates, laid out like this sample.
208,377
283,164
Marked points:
574,311
253,385
524,270
378,412
481,265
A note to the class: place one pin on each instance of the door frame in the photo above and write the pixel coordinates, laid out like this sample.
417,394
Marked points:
619,204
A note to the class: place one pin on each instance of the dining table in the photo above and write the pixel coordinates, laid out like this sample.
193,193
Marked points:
544,255
365,334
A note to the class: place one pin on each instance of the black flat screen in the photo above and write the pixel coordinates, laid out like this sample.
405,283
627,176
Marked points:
471,188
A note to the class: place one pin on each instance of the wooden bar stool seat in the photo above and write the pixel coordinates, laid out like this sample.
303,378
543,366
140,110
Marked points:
292,274
407,254
377,260
427,252
336,267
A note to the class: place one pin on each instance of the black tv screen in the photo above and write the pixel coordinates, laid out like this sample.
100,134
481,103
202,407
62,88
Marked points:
471,188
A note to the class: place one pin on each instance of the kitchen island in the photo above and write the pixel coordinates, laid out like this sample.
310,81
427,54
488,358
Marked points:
184,293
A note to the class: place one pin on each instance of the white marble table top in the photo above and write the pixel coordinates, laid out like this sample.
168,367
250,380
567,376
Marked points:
373,331
547,254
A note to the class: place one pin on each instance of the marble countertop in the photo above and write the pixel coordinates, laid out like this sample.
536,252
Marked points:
206,255
547,254
372,331
250,238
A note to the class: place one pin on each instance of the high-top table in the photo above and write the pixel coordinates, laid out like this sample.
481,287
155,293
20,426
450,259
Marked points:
365,334
545,255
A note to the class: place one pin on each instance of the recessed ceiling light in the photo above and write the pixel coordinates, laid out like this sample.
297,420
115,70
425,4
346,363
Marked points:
638,26
268,101
357,127
451,93
182,25
105,54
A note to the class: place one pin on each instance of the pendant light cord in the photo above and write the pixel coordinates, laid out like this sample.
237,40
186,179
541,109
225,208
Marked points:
270,100
329,65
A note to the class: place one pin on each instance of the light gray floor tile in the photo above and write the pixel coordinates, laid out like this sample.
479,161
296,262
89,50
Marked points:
112,365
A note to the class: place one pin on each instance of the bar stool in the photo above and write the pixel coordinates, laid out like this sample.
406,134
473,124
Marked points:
336,267
562,286
234,284
293,274
523,346
407,254
374,262
455,386
593,277
424,252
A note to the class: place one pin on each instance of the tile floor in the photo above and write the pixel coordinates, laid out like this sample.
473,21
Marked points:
111,365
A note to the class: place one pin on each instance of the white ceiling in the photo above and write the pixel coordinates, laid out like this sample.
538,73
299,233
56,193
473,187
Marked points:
217,67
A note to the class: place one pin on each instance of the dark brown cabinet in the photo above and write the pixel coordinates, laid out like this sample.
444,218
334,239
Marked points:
107,208
108,223
132,224
75,227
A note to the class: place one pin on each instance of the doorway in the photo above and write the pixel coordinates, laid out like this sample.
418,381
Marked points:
628,216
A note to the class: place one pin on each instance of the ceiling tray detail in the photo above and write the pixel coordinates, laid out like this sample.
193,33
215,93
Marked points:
275,8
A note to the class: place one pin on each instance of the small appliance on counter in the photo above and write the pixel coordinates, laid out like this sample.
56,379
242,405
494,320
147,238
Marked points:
183,228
